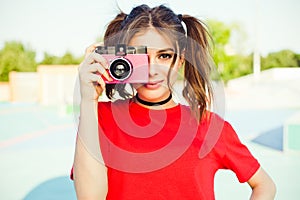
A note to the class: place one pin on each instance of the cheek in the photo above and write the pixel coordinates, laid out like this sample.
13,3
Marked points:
136,85
174,73
161,70
173,76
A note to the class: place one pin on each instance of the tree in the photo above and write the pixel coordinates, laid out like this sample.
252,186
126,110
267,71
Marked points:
220,34
66,59
229,65
49,59
16,57
283,58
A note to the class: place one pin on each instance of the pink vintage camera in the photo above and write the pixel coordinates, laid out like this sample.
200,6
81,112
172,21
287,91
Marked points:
127,64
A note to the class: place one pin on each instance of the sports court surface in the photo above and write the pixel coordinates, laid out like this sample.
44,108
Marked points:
37,147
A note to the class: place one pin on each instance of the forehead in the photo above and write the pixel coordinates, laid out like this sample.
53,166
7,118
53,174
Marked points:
152,39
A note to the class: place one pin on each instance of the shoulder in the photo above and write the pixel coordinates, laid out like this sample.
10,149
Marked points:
215,132
214,121
109,104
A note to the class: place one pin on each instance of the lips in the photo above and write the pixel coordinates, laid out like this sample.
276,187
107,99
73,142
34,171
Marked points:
153,84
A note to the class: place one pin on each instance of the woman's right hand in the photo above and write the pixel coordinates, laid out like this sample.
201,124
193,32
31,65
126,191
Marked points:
90,71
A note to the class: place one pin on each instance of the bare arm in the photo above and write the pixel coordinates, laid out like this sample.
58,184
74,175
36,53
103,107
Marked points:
263,187
90,175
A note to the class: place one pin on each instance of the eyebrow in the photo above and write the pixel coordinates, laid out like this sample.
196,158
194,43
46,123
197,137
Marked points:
164,50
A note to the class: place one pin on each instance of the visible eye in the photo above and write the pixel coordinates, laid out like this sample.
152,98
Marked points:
165,56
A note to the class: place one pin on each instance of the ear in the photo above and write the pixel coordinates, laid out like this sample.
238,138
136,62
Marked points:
182,58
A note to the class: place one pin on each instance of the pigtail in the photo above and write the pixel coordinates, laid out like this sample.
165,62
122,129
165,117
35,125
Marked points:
113,28
197,87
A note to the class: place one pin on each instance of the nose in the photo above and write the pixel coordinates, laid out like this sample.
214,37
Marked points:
152,66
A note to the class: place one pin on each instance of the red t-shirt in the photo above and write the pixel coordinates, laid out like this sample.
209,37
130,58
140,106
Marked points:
166,154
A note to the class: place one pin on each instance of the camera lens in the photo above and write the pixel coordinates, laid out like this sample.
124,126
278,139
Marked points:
120,69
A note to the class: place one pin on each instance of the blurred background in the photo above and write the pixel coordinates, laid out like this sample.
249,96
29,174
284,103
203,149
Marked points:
256,53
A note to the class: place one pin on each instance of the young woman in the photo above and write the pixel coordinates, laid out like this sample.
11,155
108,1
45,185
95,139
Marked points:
146,145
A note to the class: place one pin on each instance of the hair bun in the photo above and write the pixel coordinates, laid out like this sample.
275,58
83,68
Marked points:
179,17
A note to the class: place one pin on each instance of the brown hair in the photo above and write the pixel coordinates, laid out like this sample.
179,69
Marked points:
194,42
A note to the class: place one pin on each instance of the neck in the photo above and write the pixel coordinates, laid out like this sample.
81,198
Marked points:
150,104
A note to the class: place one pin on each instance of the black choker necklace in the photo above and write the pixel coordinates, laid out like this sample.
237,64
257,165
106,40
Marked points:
147,103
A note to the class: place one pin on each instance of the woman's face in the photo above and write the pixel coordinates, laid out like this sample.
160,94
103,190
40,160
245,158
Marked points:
161,53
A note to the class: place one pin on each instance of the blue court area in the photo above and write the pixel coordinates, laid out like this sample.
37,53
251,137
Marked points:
37,148
36,152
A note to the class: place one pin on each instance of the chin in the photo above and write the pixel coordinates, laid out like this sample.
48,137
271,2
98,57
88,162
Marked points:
150,94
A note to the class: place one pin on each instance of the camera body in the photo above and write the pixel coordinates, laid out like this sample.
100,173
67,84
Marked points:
127,64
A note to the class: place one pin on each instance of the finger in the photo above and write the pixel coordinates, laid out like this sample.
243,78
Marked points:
99,89
92,78
100,82
95,57
92,48
96,67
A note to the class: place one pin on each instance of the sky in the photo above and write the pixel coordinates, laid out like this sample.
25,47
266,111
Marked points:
58,26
